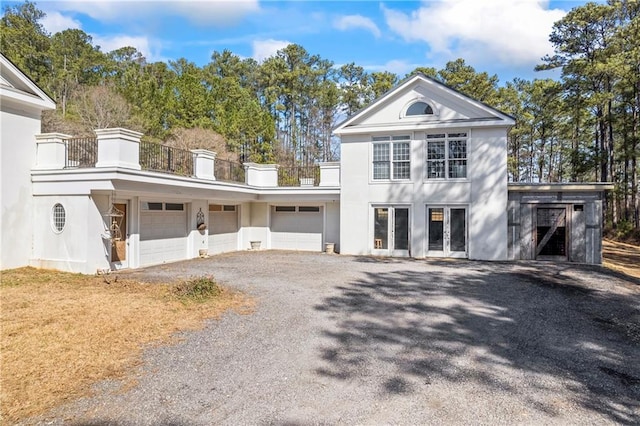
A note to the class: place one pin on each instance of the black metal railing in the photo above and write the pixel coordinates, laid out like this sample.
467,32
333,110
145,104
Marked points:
228,171
81,153
166,159
299,176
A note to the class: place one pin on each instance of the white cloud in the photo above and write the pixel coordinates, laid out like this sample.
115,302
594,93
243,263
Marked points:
509,31
262,49
141,43
396,66
201,12
349,22
54,22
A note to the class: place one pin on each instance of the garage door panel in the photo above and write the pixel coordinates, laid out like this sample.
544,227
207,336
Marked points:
223,232
296,230
223,222
222,243
163,236
160,225
296,241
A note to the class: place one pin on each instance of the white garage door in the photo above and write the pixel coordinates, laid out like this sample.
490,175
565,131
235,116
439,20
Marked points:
163,233
223,228
296,228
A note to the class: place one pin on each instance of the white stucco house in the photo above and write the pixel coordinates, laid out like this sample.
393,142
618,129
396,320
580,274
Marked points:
423,173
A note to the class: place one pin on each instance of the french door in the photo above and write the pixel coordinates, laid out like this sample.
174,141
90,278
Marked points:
391,230
446,231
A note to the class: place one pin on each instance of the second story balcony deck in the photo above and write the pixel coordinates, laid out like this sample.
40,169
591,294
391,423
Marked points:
121,148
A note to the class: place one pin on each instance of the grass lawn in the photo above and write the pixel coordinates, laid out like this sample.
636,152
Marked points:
62,332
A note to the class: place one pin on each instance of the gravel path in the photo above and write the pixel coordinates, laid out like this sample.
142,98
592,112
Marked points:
359,340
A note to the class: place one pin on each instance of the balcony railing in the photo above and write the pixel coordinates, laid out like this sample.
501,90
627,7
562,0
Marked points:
229,171
299,176
122,148
166,159
81,153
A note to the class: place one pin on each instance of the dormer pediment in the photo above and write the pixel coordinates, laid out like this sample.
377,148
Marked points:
421,103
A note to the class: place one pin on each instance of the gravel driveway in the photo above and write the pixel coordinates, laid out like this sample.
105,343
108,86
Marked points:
359,340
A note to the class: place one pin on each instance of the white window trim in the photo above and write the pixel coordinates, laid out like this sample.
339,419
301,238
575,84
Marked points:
446,177
390,143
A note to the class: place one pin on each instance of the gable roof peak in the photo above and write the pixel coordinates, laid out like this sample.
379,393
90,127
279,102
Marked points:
437,85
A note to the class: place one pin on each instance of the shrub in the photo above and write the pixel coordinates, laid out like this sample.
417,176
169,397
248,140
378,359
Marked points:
197,289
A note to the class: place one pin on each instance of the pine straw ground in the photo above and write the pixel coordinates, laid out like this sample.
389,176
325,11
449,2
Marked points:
621,257
62,332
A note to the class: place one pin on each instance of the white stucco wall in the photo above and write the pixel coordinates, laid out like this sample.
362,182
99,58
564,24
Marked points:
80,247
483,193
488,177
17,156
332,224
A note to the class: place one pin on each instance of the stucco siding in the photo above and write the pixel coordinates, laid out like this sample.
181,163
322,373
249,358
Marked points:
17,156
332,224
488,211
80,246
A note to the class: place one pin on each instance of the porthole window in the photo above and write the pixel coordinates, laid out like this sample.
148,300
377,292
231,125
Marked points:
58,218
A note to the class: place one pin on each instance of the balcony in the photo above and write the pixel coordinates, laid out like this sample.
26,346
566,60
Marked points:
122,148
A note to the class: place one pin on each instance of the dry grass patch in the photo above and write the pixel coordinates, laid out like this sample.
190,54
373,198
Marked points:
63,332
621,257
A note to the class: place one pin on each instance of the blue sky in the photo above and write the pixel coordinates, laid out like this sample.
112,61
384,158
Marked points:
505,37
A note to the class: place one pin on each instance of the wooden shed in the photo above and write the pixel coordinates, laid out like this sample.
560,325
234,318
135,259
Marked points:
556,221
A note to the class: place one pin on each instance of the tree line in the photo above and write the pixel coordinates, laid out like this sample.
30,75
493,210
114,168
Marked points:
580,127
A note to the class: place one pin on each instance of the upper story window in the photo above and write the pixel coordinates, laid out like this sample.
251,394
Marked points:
447,156
419,108
391,158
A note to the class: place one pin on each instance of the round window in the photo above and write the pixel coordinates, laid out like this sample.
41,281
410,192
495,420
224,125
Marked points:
58,217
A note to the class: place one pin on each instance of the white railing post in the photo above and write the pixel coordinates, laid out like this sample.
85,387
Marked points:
204,164
330,174
118,148
51,151
261,175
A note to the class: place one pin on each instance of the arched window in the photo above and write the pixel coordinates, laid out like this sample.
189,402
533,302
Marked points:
419,108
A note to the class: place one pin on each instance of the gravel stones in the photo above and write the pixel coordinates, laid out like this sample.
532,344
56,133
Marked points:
362,340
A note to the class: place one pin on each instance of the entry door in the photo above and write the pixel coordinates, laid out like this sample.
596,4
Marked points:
447,231
120,235
391,231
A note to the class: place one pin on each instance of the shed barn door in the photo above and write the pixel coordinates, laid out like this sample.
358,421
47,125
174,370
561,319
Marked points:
551,233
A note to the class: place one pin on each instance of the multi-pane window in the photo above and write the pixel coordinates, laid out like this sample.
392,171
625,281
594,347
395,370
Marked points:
391,158
447,156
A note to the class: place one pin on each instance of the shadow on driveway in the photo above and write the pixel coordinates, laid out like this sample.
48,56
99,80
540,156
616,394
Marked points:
516,328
